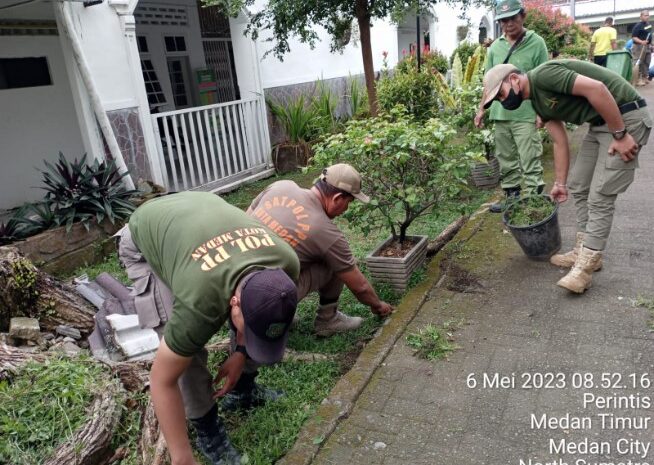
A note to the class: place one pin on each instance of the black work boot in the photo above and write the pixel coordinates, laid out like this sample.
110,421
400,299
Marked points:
512,194
247,394
213,441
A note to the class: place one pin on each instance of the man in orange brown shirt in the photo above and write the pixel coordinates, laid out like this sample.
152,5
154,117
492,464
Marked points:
303,218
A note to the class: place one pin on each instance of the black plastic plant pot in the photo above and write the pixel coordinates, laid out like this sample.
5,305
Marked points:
538,241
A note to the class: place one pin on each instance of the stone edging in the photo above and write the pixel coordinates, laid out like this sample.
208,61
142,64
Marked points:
345,393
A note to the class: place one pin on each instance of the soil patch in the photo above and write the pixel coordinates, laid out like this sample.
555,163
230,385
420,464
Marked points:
459,279
396,249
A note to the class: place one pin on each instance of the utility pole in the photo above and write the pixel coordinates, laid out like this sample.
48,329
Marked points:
418,36
572,9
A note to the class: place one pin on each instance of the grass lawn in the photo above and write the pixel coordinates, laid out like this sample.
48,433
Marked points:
265,434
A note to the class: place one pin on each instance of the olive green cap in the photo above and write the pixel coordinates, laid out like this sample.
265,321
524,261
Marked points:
507,8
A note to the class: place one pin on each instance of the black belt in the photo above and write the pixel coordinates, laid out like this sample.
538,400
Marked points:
624,108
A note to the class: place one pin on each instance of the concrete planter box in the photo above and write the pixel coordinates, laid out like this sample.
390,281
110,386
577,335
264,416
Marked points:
486,174
394,270
56,251
289,157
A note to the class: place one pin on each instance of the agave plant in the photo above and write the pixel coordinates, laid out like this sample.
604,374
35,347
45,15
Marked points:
33,218
76,192
8,232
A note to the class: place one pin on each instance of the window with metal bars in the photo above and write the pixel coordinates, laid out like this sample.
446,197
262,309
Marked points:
152,85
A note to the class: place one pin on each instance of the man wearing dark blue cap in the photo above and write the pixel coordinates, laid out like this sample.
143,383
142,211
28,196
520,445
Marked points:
197,262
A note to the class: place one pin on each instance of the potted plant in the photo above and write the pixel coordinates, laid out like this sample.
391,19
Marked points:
534,223
407,168
487,173
296,117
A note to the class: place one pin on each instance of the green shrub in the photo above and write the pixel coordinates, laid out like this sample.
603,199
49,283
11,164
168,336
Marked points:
465,50
296,118
323,106
407,167
357,98
416,91
430,61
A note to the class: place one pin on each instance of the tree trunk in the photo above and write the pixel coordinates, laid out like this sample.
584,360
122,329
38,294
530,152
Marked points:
26,291
152,445
91,444
446,236
363,19
12,359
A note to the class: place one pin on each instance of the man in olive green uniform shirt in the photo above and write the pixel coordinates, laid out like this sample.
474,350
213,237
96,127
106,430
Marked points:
518,145
579,92
197,262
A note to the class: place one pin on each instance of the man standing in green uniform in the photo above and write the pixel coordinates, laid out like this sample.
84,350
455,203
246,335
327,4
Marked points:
518,146
579,92
197,262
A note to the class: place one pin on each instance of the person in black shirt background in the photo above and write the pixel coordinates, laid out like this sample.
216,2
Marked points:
642,37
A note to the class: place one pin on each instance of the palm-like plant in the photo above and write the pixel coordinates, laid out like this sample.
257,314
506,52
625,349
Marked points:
76,192
295,117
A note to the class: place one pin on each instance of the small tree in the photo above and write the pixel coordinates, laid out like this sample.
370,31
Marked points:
555,27
287,18
407,168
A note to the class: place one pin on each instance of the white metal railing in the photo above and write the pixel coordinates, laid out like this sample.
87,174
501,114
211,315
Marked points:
210,145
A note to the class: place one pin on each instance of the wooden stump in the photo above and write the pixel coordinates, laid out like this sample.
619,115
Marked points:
26,291
91,444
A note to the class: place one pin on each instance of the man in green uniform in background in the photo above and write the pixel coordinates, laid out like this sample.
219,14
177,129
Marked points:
579,92
518,145
197,262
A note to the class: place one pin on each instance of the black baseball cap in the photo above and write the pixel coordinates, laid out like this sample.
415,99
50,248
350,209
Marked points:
268,303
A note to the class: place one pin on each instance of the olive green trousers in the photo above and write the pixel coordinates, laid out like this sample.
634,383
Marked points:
597,178
518,148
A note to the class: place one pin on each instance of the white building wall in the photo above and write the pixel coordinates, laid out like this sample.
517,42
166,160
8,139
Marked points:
99,30
302,64
444,30
35,122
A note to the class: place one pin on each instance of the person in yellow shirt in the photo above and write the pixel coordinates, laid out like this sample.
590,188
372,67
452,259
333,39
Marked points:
603,41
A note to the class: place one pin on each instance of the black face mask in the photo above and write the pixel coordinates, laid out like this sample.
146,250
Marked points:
512,101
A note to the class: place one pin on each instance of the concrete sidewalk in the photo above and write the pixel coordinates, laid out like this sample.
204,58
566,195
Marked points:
514,320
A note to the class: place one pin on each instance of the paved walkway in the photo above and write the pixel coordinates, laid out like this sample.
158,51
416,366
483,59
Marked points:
513,320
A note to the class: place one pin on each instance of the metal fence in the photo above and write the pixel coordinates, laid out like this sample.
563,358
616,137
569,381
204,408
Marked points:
210,146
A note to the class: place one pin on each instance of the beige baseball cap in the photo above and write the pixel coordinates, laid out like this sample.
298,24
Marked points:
493,81
346,178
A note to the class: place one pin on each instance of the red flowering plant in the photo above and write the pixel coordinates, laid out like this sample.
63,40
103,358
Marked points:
559,30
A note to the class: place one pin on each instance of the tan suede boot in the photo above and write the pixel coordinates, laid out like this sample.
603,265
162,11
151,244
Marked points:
580,276
568,259
330,321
